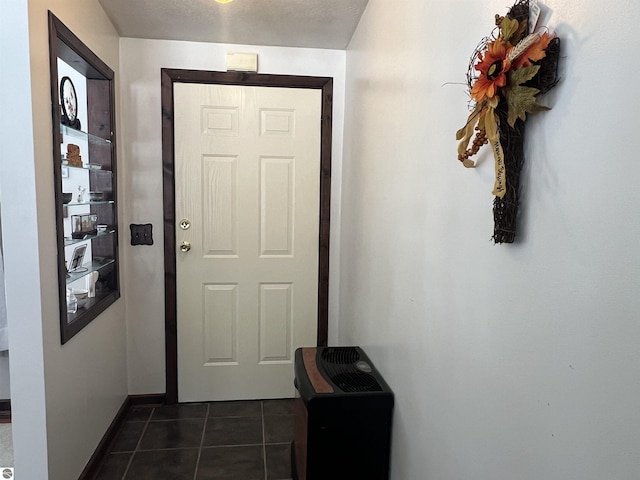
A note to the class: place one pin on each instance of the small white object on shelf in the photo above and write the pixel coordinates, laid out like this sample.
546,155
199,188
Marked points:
92,279
82,297
72,301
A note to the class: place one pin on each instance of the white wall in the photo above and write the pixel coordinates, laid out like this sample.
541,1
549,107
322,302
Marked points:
141,61
20,246
507,361
63,397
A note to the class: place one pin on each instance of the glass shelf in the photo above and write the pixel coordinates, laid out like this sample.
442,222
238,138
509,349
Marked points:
101,202
68,241
94,266
80,135
86,167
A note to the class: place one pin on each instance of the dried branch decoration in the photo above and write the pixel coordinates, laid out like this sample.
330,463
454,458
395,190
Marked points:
514,67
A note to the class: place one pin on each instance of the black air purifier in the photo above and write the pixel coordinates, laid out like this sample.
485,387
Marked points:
343,415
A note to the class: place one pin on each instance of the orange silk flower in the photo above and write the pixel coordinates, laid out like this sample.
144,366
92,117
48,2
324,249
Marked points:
492,66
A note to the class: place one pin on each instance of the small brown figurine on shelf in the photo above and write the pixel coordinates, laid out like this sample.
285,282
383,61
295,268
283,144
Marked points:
74,159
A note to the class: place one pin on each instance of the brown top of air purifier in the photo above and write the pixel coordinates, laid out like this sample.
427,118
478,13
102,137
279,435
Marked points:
320,385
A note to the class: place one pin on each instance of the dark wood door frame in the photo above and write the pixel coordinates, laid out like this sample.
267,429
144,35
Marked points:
171,76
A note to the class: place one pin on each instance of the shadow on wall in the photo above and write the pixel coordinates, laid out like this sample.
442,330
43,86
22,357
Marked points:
4,332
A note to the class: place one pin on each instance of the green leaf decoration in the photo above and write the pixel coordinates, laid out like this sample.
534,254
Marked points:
523,28
509,27
522,100
521,75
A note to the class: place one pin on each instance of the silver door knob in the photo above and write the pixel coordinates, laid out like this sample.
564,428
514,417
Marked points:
185,247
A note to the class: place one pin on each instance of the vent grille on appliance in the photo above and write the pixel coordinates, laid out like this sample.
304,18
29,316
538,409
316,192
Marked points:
340,355
356,382
340,366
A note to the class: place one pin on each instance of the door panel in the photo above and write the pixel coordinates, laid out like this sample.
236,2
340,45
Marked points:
247,170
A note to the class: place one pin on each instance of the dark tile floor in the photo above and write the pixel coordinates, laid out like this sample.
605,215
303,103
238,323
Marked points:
244,440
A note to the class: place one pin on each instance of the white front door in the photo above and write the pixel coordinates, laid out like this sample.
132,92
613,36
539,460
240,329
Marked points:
247,174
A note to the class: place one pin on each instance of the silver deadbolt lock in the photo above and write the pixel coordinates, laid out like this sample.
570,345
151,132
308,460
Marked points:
185,247
185,224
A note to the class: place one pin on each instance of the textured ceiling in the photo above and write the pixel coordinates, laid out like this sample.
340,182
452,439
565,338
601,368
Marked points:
290,23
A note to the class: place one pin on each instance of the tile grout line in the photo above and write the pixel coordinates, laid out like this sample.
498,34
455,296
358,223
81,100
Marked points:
264,440
204,428
137,447
169,449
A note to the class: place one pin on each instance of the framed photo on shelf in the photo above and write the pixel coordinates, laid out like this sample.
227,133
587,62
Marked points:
77,258
83,225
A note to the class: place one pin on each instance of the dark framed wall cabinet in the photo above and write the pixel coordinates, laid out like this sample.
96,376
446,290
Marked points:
84,164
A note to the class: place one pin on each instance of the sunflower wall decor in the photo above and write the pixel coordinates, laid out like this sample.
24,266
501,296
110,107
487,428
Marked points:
506,73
